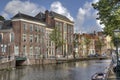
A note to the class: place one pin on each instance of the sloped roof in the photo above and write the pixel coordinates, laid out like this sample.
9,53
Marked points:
59,16
7,24
24,16
40,16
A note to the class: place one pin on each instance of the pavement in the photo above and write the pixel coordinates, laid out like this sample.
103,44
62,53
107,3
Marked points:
111,75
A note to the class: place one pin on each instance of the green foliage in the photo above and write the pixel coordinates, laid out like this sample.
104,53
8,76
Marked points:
87,43
2,18
56,37
76,41
109,14
100,43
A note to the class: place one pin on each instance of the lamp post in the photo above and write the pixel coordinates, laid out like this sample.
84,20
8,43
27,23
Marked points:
8,51
117,41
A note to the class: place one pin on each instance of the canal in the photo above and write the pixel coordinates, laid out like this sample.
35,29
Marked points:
82,70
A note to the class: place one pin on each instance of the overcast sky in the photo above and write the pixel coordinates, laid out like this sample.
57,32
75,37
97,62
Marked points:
79,11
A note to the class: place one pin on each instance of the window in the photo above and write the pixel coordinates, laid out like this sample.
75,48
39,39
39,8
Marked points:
24,49
65,27
31,50
0,37
31,38
16,50
3,48
36,50
65,36
31,27
49,43
11,37
36,28
24,26
24,37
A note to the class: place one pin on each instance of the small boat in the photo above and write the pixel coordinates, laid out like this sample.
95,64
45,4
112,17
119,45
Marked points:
98,76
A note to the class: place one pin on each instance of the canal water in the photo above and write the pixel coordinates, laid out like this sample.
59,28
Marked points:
82,70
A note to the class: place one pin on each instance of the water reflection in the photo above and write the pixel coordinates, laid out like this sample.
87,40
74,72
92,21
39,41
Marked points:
68,71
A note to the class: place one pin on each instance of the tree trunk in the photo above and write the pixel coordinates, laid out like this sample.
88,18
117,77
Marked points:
55,53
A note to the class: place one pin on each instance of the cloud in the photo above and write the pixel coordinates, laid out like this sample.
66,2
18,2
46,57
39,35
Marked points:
59,8
27,7
86,19
80,20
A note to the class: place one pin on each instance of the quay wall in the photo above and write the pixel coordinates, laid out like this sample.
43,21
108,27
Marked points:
7,65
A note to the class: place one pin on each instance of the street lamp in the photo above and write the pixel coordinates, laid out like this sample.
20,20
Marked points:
117,41
8,51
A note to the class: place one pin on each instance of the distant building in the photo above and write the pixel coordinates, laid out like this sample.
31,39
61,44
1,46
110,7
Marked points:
96,44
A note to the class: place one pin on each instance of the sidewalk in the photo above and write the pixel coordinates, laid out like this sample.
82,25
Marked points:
111,75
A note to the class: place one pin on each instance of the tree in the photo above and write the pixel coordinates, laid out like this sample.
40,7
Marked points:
109,14
76,43
56,37
87,43
99,44
2,18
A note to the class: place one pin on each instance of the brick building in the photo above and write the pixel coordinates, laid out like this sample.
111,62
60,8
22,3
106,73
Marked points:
96,44
6,39
29,36
65,25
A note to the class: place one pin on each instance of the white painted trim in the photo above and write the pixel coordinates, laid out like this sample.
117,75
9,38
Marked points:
49,29
10,37
64,21
30,21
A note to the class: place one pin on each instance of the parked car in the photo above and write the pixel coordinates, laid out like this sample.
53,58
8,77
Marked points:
93,55
99,76
104,55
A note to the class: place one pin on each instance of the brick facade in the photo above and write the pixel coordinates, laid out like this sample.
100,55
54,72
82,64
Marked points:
30,38
66,29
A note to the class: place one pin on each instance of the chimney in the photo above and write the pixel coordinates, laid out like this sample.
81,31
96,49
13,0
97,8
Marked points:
47,16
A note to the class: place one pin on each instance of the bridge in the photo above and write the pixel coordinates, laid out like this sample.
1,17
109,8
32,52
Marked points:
20,60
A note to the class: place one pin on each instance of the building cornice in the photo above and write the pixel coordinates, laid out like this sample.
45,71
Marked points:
34,22
71,23
49,29
6,30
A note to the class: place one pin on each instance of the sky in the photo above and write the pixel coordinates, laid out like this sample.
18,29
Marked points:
79,11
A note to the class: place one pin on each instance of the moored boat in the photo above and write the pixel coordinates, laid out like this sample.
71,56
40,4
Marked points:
98,76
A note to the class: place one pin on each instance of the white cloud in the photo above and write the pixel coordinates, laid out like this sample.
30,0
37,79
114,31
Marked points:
86,19
27,7
101,25
80,20
59,8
